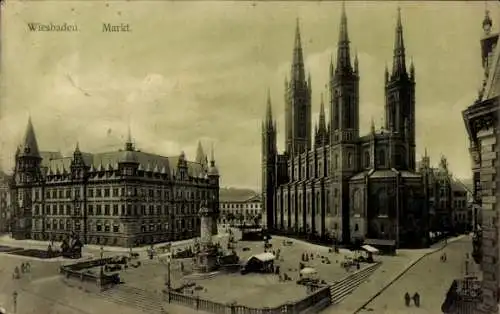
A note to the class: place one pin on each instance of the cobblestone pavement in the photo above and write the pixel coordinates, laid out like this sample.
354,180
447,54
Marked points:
260,290
430,277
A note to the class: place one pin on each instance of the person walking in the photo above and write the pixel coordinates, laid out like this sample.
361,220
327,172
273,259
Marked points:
416,299
407,299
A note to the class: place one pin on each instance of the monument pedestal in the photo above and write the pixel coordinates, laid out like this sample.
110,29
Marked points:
206,261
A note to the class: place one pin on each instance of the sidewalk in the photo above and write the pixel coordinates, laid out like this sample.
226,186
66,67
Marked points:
392,268
34,244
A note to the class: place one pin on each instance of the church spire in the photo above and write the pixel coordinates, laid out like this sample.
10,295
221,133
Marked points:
322,116
298,72
343,54
269,109
399,62
29,147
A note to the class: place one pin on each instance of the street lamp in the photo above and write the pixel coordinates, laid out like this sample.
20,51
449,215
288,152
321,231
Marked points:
102,264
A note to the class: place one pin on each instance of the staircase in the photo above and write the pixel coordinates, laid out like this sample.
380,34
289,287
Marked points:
342,288
147,302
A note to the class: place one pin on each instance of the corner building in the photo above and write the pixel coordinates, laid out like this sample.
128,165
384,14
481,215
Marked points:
481,122
342,185
121,198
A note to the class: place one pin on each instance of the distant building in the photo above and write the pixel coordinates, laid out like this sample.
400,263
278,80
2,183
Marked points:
340,184
481,122
240,206
123,198
5,202
449,210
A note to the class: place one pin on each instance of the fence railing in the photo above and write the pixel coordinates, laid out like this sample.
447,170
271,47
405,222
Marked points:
77,271
197,303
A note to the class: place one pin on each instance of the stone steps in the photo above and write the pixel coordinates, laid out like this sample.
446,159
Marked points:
340,290
148,302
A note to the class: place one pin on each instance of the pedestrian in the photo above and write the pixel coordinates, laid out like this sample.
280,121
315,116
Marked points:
416,299
407,299
14,299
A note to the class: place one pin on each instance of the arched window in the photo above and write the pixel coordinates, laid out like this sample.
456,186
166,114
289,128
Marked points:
357,202
367,159
383,202
336,161
349,160
381,157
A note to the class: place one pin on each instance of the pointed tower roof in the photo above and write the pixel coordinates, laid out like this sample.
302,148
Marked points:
298,72
29,147
322,115
269,110
399,62
213,171
129,146
343,51
200,154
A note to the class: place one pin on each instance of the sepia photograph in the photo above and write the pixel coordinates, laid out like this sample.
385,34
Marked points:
249,157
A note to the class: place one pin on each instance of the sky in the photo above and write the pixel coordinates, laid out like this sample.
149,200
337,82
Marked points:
199,71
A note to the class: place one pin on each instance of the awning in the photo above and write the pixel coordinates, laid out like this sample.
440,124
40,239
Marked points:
308,271
381,242
369,248
263,257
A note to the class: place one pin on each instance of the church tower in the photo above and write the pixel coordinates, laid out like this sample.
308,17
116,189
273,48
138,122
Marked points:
27,173
400,96
344,122
298,103
269,156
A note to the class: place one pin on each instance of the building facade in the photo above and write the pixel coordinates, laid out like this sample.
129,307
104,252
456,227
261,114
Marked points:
340,184
5,203
240,208
449,209
123,198
481,121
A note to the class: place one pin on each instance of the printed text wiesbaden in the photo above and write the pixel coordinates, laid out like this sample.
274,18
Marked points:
52,27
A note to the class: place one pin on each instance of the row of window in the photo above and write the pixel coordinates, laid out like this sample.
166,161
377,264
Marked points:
68,225
317,170
247,212
129,191
116,209
239,206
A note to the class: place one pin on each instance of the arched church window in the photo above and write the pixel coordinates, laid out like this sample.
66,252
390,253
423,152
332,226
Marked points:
336,161
357,202
381,157
367,159
383,202
349,160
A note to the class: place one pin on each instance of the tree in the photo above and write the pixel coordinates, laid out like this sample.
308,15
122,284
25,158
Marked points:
230,217
257,219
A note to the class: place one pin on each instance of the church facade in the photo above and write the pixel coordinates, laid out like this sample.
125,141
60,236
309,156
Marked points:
120,198
341,185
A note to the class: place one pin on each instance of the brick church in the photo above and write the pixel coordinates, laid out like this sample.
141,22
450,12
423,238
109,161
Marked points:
336,183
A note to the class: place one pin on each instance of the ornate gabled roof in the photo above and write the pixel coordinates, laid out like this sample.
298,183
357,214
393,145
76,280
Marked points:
29,147
166,165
